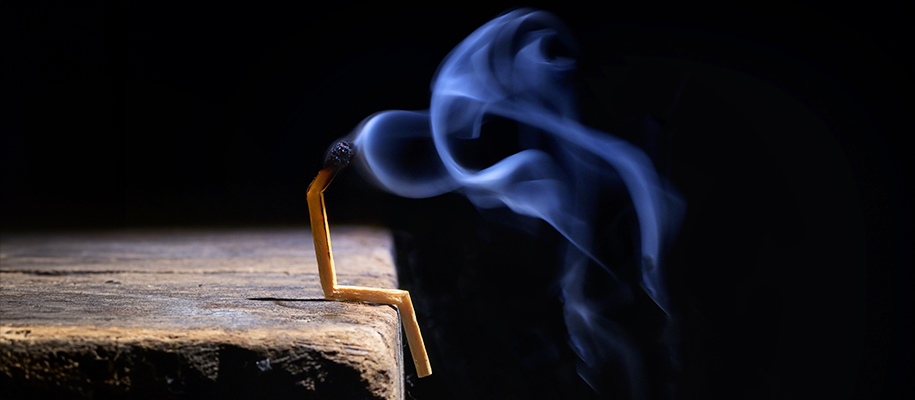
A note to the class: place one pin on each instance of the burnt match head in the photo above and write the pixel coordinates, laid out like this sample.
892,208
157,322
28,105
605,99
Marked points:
340,155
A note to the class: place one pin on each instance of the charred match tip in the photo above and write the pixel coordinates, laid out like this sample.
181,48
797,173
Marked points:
340,155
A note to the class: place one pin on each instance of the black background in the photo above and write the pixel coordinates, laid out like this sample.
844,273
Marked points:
163,115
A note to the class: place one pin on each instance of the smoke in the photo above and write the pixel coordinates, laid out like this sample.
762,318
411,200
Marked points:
545,164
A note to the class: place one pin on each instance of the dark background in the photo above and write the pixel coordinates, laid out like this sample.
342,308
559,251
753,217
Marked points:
164,115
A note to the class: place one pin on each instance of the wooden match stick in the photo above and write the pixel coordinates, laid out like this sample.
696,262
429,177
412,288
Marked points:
339,157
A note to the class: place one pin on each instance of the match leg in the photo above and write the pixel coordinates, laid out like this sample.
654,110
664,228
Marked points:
326,270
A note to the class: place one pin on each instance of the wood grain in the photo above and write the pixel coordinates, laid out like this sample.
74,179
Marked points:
184,314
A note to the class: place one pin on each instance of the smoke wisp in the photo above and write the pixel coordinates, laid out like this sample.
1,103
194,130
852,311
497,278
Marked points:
502,129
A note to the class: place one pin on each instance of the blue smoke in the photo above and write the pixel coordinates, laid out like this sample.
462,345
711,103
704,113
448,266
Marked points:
509,68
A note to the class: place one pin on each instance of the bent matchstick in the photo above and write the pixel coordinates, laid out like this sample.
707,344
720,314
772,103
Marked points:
339,157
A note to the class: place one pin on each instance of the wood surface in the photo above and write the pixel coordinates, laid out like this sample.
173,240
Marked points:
195,314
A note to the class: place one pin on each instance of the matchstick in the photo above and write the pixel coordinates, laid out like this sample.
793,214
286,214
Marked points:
339,158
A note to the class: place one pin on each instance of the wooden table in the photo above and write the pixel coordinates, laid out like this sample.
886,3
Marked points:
195,314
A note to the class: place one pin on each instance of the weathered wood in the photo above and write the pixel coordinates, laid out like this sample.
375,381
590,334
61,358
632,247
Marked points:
191,314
